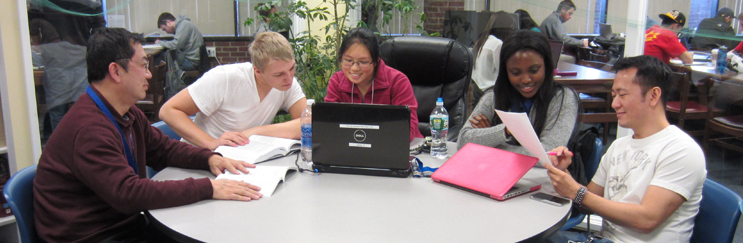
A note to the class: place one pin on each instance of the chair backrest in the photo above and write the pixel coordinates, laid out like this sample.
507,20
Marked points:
20,196
593,162
556,48
680,93
436,67
166,130
204,64
718,215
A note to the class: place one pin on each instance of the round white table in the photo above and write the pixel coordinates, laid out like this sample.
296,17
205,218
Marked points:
327,207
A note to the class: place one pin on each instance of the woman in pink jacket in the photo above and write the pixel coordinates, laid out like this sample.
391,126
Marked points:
364,78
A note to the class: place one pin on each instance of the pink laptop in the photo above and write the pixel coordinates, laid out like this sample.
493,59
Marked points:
491,171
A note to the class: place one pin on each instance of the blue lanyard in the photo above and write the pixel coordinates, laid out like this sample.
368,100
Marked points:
105,110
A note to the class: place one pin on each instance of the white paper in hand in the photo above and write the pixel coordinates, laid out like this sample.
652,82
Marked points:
520,127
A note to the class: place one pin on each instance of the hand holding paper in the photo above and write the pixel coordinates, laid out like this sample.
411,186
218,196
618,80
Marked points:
520,127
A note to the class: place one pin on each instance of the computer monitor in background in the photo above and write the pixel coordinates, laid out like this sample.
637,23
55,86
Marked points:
606,32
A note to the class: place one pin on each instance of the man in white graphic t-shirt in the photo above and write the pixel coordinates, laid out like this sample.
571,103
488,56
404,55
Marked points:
648,185
233,102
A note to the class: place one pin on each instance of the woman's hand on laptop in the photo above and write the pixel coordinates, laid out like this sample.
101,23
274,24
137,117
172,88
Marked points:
561,157
233,139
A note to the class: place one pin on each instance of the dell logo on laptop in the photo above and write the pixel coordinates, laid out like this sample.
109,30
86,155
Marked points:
359,135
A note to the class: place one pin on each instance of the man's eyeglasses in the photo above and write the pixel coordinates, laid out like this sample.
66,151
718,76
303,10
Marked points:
145,64
350,63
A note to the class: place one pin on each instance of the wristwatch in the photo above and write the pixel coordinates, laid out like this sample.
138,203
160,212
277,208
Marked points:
578,200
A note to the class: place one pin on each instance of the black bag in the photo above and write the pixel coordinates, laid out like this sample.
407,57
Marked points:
582,146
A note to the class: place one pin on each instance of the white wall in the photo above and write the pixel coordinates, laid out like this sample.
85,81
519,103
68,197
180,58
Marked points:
17,87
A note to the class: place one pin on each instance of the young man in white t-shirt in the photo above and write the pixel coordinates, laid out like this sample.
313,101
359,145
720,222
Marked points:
233,102
648,185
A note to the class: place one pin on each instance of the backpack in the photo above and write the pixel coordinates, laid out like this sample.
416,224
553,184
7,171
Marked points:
582,146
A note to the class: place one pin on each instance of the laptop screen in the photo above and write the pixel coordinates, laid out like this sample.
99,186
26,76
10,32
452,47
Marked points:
556,47
361,135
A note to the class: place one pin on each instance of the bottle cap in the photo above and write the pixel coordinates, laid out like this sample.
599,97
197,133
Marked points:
310,102
440,101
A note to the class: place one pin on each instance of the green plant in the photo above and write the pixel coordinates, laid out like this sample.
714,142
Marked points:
388,9
315,51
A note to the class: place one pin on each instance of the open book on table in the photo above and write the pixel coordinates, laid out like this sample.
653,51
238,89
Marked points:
265,176
260,148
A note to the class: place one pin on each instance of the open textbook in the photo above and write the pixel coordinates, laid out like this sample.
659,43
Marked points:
265,176
260,148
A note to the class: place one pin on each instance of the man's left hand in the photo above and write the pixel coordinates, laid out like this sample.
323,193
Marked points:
217,164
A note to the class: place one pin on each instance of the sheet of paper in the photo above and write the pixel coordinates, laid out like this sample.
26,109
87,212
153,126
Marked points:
520,127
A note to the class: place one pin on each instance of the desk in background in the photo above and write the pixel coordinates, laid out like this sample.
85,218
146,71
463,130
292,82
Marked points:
355,208
591,81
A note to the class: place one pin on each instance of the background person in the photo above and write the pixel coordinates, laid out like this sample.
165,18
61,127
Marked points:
648,185
364,78
264,25
88,186
186,41
715,32
65,71
554,25
233,102
662,42
525,84
526,22
487,53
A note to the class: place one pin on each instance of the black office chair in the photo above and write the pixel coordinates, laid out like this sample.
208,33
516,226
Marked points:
436,67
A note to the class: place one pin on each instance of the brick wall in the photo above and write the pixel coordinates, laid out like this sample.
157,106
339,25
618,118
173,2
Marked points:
435,12
229,51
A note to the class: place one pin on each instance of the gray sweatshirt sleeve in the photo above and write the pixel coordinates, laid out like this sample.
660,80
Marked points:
561,120
179,39
491,136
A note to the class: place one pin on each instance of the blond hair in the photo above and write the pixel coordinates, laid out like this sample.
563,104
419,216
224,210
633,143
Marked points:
269,46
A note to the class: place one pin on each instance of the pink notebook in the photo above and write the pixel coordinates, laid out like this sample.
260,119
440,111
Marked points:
491,171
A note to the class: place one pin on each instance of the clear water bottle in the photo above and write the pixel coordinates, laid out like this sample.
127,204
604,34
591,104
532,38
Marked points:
306,122
439,128
722,59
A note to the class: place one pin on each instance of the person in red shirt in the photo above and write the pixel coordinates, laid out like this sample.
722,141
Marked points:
365,78
662,42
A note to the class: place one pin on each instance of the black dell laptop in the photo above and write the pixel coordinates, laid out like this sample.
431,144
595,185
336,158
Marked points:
361,139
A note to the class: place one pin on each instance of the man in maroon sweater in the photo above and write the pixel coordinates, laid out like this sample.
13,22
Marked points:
86,189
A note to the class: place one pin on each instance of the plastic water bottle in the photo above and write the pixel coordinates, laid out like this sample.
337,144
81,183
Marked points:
722,59
439,128
306,121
